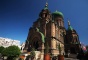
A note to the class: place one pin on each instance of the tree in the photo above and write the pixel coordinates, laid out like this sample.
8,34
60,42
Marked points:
60,57
46,48
1,49
4,52
59,48
12,52
32,53
47,55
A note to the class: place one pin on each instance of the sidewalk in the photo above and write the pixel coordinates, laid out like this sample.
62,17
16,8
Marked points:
70,59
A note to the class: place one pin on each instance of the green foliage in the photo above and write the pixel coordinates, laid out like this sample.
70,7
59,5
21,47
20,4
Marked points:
4,52
59,48
32,52
1,49
46,48
11,52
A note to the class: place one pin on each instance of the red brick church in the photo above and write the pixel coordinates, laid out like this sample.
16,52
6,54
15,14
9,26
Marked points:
49,28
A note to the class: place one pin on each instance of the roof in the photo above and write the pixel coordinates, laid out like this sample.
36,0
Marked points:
42,35
45,7
58,13
70,27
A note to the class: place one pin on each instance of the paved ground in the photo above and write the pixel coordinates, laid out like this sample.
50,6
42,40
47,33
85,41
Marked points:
70,59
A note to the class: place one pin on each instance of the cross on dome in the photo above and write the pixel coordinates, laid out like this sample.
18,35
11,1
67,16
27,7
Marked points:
68,22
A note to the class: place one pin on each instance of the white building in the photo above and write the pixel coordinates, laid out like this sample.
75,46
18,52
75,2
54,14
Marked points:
22,46
6,42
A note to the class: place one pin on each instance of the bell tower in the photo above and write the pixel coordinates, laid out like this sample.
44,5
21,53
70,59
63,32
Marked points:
45,13
44,18
72,43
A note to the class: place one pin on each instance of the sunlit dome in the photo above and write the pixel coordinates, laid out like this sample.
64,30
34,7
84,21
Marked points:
58,13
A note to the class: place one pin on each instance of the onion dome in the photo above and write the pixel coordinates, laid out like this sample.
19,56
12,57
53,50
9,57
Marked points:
58,13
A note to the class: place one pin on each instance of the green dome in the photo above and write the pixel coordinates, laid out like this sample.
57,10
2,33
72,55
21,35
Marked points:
70,28
45,8
58,13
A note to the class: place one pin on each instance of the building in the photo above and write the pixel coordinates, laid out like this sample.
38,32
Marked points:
22,46
49,29
6,42
71,42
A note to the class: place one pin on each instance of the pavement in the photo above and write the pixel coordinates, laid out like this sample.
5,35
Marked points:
1,59
70,59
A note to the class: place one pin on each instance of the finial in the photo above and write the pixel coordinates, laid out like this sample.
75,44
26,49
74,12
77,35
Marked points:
56,11
46,4
68,22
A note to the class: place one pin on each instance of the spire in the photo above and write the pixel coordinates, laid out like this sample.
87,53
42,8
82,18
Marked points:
68,23
46,6
56,11
46,3
69,26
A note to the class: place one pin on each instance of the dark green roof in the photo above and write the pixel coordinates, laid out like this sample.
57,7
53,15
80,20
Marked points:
58,13
42,35
45,7
70,28
43,40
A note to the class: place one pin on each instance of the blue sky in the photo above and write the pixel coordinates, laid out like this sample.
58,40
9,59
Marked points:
17,16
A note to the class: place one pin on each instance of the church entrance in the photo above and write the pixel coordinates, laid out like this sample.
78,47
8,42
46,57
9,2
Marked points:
36,44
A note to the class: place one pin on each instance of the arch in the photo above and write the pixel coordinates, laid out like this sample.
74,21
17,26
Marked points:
36,40
38,35
36,43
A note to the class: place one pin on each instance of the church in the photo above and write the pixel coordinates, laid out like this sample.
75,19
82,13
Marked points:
49,29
